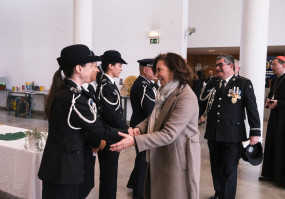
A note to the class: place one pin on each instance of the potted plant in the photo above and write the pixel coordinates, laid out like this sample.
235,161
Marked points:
35,139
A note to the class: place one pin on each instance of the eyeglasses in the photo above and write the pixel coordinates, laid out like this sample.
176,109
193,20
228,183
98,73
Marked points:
274,65
221,65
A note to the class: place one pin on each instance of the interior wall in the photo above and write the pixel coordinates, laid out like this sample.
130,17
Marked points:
125,29
33,32
218,23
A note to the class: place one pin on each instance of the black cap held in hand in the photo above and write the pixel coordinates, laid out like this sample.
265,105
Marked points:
77,54
253,154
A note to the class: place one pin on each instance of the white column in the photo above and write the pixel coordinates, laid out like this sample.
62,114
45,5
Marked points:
184,29
253,47
82,22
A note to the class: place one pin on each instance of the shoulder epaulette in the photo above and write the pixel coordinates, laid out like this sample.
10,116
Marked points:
74,90
244,78
144,82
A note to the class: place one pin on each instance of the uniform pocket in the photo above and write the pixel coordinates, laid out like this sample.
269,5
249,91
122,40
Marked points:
235,122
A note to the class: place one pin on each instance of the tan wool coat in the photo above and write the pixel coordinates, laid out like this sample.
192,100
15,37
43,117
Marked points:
173,148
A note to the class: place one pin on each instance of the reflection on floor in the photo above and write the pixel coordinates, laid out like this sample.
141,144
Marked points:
248,185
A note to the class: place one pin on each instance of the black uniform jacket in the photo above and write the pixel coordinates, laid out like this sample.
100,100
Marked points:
142,100
109,96
62,161
90,140
225,122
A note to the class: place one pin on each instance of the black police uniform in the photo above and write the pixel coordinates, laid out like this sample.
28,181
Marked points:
142,100
225,129
112,115
62,166
89,143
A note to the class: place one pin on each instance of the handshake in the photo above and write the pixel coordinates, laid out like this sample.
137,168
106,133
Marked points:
134,131
127,141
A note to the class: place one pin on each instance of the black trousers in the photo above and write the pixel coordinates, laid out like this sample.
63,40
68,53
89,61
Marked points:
136,181
89,164
108,161
58,191
224,158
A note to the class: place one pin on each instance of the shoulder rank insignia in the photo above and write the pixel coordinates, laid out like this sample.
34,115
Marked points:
144,82
234,94
74,90
244,78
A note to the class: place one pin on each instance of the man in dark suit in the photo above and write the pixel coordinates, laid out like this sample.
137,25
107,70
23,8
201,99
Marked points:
226,99
210,76
274,152
142,101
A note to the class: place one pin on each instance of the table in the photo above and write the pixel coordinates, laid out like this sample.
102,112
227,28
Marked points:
21,102
19,167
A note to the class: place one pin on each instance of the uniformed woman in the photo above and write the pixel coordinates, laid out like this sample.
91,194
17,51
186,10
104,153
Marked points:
71,116
112,115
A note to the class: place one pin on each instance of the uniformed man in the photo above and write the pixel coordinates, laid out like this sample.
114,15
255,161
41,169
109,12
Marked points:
225,100
210,76
142,101
112,115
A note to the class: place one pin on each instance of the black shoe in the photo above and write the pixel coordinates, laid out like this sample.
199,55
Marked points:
214,197
264,178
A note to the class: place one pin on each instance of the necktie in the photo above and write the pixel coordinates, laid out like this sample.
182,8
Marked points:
223,87
116,86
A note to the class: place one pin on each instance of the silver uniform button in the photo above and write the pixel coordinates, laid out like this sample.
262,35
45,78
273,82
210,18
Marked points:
218,113
219,105
218,120
220,98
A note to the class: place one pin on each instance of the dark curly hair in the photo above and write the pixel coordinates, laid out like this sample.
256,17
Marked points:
175,63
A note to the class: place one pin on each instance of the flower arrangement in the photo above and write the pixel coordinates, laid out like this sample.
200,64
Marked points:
35,139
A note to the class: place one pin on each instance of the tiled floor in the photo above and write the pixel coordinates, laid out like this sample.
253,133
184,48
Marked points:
248,185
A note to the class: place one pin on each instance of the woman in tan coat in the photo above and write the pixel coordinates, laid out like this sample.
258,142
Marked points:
170,134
